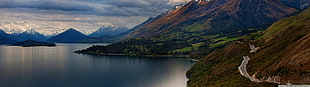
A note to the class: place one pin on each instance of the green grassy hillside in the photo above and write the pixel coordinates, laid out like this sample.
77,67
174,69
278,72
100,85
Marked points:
284,54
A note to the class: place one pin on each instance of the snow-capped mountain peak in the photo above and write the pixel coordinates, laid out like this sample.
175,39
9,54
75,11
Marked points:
30,34
108,30
109,27
31,31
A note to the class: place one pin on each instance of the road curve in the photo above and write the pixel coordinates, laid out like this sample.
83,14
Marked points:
242,69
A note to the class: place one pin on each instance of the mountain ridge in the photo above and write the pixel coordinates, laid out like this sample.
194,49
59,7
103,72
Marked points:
69,36
30,35
210,17
108,30
6,38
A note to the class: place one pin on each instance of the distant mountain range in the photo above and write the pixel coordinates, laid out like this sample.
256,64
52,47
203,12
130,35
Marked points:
114,38
69,36
6,38
108,30
29,35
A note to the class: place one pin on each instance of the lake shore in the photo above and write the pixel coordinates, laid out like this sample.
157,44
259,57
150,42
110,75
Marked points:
109,54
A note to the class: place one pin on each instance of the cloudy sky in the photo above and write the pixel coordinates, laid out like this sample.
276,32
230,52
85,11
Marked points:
55,16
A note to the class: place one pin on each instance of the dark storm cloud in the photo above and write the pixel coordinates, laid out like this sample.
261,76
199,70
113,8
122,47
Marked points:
136,7
94,7
46,5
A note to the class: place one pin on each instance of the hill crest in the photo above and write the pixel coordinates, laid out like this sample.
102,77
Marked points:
69,36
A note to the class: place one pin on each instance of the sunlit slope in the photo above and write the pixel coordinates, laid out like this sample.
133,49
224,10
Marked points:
284,56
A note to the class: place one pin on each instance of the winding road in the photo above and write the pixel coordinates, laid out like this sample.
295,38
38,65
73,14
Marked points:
242,69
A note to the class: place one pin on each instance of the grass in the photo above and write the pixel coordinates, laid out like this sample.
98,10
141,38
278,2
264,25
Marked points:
197,27
222,41
188,49
160,44
183,49
194,28
211,36
196,45
216,42
276,27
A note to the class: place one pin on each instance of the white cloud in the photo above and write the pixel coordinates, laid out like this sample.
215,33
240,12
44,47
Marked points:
48,24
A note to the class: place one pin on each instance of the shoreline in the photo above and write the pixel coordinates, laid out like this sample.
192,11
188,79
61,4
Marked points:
109,54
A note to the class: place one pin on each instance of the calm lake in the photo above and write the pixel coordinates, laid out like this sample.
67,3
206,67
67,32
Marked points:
60,67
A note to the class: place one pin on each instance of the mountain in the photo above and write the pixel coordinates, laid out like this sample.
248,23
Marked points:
30,43
113,38
69,36
200,27
283,56
29,35
6,38
108,30
216,16
3,33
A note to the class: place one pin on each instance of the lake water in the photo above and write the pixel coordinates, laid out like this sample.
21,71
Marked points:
60,67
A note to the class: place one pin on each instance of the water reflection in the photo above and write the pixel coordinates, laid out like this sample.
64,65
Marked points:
59,67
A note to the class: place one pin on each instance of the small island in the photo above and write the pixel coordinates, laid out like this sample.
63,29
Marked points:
31,43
